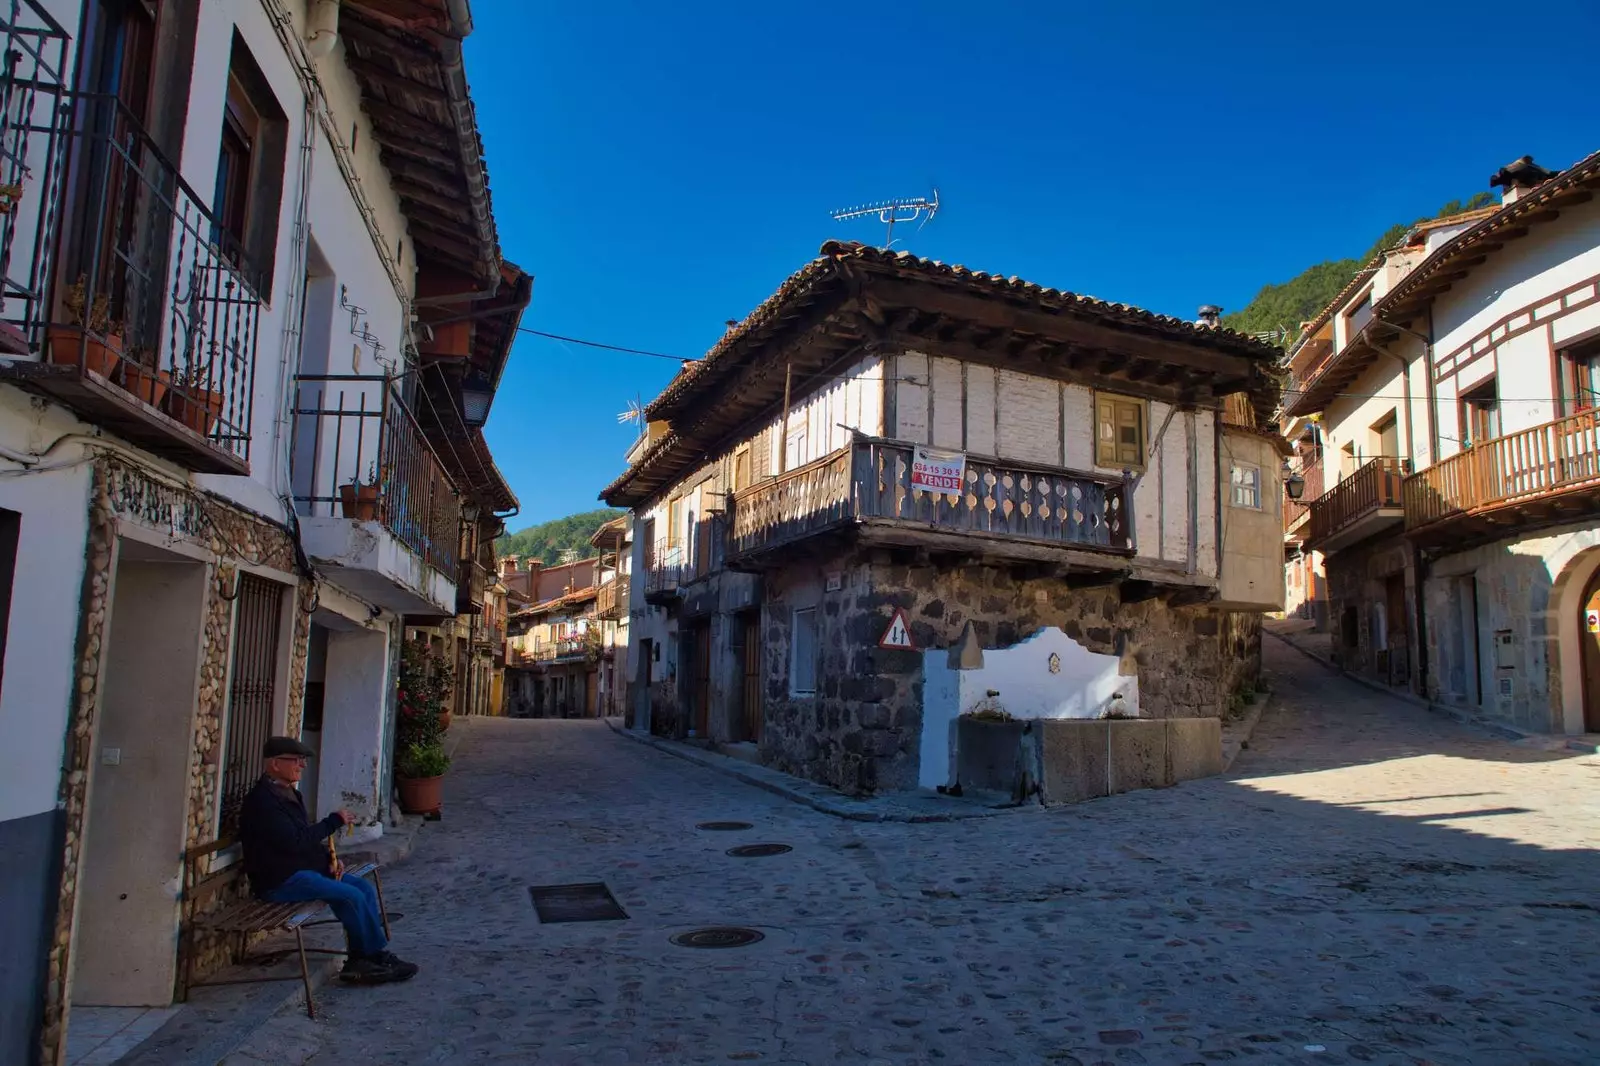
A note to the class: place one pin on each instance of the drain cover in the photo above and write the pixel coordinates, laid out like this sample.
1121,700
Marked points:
757,851
724,827
721,936
575,903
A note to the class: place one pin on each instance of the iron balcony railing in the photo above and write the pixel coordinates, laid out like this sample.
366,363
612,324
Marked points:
665,573
133,280
358,453
871,480
1519,467
1374,486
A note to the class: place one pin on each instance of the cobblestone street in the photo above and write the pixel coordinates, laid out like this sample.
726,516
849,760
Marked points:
1370,884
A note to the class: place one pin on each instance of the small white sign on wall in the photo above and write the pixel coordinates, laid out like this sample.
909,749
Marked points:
1592,620
898,636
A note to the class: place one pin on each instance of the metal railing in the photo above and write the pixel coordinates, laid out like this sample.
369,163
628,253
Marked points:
1375,485
1554,457
871,479
141,285
358,453
666,572
573,647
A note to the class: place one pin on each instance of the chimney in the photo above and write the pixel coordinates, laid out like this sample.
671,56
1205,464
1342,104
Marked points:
1518,179
1210,316
508,566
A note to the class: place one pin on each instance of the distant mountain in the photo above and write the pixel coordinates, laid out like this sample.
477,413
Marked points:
1285,305
549,540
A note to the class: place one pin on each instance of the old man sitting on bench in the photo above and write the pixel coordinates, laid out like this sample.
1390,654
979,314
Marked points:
288,860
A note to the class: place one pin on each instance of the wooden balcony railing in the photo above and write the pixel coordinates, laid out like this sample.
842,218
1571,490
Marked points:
1374,486
1556,457
871,479
611,598
359,453
1295,511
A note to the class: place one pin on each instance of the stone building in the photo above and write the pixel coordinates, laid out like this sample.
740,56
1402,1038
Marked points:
1456,383
254,310
889,453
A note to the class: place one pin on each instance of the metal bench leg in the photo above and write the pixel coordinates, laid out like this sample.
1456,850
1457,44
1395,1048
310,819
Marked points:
305,974
383,911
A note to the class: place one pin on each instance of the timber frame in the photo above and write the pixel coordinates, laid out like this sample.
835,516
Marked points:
855,300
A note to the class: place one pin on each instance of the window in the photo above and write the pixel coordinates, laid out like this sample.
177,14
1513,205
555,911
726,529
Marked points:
1386,436
803,653
1119,432
795,453
674,524
1358,317
249,187
1245,486
1480,414
258,610
1580,378
647,532
741,469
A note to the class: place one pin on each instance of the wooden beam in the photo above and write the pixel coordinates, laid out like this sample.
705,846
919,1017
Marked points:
367,70
1074,327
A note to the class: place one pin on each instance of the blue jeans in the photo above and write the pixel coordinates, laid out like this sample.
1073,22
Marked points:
354,902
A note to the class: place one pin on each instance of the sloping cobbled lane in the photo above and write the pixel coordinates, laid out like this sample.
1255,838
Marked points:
1371,884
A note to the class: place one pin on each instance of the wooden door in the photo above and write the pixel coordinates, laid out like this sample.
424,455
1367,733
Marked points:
750,689
702,680
1591,657
1399,660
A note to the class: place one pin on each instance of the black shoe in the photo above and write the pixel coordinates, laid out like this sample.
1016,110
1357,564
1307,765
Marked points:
365,970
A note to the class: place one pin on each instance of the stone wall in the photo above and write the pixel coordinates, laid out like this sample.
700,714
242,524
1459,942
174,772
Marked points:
122,492
861,731
1357,584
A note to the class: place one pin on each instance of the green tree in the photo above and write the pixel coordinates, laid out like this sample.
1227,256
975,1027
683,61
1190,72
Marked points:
1287,304
549,540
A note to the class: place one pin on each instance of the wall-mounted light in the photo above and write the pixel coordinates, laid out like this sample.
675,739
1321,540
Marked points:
477,393
1293,483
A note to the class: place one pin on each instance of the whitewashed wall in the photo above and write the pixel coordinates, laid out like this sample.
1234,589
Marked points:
949,403
1085,684
818,420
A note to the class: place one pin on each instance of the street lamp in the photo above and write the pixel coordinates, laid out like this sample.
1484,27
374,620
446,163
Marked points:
1293,483
477,393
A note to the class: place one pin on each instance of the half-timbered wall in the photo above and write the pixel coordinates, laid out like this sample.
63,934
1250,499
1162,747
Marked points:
949,403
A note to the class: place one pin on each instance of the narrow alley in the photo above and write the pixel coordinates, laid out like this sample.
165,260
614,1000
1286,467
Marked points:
1371,883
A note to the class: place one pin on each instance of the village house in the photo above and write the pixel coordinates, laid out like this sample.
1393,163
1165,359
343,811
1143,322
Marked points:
614,563
899,489
1448,395
254,313
566,651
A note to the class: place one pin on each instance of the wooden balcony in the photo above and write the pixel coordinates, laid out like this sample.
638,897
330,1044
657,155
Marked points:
611,599
1297,513
1007,510
1363,505
1539,476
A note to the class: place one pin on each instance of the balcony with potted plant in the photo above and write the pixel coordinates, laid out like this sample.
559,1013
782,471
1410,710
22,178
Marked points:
375,502
131,305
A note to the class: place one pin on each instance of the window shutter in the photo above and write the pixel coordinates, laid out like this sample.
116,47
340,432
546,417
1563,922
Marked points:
1105,442
1130,434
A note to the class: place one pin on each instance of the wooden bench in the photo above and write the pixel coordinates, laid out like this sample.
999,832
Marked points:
245,917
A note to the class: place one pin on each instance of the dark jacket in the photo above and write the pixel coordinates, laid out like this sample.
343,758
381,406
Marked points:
278,839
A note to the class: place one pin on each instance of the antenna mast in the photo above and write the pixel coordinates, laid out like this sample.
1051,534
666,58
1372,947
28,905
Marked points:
891,211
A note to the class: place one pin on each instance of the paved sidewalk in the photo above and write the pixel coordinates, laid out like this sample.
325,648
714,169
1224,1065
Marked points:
1370,884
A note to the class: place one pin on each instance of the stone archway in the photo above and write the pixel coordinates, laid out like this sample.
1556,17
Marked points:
1564,629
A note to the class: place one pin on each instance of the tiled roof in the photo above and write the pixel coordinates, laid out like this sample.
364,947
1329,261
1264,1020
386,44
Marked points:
843,267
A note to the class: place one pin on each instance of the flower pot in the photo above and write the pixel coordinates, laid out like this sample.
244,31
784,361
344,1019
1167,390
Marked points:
70,346
359,502
420,795
444,720
147,384
198,408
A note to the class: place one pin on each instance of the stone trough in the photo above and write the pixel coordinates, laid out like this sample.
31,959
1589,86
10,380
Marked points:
1065,760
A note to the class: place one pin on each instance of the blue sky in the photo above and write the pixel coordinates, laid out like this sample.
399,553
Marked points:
662,168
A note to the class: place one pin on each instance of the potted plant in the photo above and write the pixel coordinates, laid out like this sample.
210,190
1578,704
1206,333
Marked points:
419,774
91,339
192,400
359,499
143,377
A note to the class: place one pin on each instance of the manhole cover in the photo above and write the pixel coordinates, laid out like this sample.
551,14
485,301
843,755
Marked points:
722,936
724,827
757,851
575,903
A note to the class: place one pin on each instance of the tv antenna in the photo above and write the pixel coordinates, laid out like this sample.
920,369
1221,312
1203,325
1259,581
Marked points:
633,413
891,211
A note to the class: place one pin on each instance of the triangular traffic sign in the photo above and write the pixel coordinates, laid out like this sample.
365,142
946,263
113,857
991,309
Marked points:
898,636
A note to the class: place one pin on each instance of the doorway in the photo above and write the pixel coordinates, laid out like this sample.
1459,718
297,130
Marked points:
700,679
1468,674
1589,634
125,946
750,675
1399,666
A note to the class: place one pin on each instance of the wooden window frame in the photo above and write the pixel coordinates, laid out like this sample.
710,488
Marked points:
1107,452
1472,410
1234,485
1577,361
